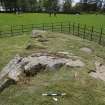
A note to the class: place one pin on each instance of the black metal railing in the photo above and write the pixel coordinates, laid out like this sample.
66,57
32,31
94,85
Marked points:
86,32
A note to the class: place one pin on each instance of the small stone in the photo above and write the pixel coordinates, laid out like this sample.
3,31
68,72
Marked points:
86,50
55,99
99,72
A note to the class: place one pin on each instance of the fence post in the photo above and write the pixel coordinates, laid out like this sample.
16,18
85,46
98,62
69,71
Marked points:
84,31
11,30
61,27
92,33
69,27
52,26
22,27
100,38
78,29
73,27
43,27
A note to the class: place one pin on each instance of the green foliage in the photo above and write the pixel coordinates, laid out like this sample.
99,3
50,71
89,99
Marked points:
29,5
67,6
47,4
50,5
14,5
38,5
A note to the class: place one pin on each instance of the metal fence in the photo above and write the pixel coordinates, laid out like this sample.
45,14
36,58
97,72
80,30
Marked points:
91,33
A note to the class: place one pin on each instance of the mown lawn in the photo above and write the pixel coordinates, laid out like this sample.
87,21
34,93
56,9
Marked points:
83,91
36,18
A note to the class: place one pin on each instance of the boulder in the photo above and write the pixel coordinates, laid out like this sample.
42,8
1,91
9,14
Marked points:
37,33
46,61
10,72
86,50
99,71
33,64
11,66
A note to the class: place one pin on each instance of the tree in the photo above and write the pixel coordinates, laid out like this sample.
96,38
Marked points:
40,5
10,5
90,5
78,6
103,7
67,5
50,5
32,4
14,5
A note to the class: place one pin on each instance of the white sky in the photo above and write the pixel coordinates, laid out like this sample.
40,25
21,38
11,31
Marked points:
73,0
76,0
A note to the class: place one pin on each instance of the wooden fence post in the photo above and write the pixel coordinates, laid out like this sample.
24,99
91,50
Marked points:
69,27
84,31
78,29
92,33
61,27
52,26
100,37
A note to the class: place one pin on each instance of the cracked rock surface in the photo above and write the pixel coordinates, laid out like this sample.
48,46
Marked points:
99,71
35,63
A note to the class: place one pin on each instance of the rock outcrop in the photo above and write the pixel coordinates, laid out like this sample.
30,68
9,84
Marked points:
37,33
10,72
35,63
99,72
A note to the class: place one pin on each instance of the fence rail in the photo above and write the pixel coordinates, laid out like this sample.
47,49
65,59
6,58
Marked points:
83,31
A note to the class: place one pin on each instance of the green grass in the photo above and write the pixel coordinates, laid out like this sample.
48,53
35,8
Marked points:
85,91
6,20
36,18
10,46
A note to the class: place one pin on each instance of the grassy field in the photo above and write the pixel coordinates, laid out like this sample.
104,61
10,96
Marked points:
36,18
85,91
